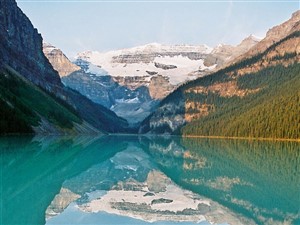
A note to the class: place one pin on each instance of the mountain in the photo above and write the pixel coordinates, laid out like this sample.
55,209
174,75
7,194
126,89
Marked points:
26,108
223,55
132,104
140,65
21,45
98,86
274,35
258,96
33,98
131,82
58,60
160,67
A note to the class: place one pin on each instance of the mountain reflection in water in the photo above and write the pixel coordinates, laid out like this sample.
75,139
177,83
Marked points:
138,180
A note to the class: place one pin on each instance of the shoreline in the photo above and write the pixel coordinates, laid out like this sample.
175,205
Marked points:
153,135
209,136
242,138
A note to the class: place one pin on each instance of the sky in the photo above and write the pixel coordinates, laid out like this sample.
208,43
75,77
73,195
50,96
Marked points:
102,25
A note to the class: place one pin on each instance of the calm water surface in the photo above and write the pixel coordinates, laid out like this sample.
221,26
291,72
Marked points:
148,180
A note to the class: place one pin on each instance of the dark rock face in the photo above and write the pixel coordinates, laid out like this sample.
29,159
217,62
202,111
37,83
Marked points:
21,50
147,58
151,72
96,88
21,47
161,200
168,118
164,67
133,105
103,89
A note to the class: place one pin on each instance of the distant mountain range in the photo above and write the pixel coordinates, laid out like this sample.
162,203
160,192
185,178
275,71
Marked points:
131,82
176,63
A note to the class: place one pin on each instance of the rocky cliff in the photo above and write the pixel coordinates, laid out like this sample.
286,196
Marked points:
21,47
59,60
224,54
40,102
133,104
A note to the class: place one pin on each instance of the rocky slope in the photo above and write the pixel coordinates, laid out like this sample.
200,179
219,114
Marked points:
224,54
230,102
274,35
21,55
133,105
21,44
58,60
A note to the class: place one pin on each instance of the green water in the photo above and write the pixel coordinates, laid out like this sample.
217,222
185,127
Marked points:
254,179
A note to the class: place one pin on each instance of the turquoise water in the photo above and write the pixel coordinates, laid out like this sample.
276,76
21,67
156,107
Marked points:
255,180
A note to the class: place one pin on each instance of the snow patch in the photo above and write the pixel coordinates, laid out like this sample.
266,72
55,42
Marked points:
96,70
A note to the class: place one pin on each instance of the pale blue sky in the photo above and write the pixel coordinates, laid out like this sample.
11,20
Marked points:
76,26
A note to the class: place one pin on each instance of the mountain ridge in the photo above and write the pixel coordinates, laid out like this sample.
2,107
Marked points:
196,108
273,35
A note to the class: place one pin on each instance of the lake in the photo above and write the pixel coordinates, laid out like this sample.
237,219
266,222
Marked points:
148,180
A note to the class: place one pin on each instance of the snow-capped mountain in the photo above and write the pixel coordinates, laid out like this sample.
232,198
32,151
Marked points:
95,83
165,66
131,82
174,63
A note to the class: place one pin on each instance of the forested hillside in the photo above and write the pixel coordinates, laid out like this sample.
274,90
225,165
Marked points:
24,106
255,97
273,112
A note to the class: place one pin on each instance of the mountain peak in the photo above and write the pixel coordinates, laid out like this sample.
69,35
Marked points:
48,48
277,32
250,40
296,15
254,38
59,60
273,35
155,44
